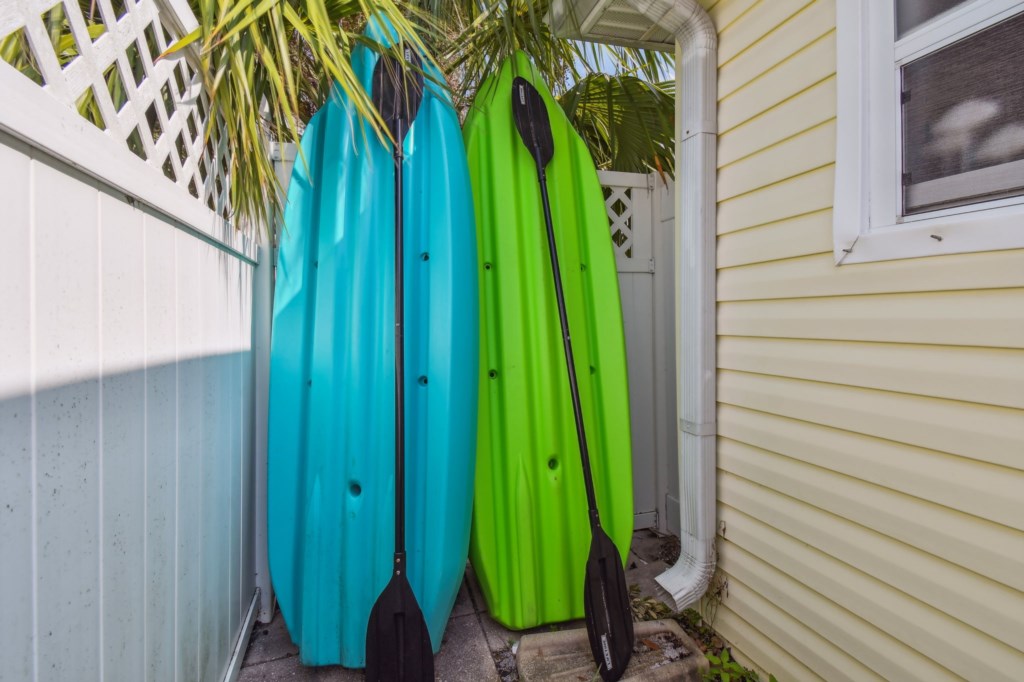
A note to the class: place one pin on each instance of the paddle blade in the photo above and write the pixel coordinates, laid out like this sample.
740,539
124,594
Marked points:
398,90
531,118
397,640
606,608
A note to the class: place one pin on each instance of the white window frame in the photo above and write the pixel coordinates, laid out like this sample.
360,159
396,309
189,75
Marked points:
867,225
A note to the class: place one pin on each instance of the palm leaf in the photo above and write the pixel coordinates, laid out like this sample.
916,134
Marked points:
626,121
267,64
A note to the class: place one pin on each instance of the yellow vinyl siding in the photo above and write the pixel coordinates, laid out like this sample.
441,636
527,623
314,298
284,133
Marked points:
812,64
985,317
801,112
990,492
795,277
979,375
790,198
757,22
825,659
871,417
802,235
812,148
824,617
811,22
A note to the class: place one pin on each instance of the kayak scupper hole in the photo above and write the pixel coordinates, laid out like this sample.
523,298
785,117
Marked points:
354,489
487,266
493,374
583,267
593,370
422,381
424,256
553,463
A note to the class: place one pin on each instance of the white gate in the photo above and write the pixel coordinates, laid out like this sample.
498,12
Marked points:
641,223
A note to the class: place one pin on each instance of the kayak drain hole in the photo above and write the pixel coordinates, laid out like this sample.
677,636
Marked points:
487,266
355,489
553,463
423,381
425,256
493,374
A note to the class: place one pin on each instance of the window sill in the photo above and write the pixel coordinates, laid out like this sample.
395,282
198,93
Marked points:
989,230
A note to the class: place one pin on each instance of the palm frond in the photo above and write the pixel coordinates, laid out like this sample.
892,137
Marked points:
476,36
267,65
626,121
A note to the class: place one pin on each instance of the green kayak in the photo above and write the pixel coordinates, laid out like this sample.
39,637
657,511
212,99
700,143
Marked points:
531,533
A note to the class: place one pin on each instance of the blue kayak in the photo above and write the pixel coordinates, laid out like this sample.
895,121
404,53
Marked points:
332,406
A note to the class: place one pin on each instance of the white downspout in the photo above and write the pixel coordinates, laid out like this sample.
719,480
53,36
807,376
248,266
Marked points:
696,157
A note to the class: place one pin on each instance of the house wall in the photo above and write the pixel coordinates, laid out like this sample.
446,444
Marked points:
871,417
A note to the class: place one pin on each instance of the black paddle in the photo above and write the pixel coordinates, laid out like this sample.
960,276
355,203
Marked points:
397,639
605,597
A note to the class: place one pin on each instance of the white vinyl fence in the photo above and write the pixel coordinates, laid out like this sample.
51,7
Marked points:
641,222
127,397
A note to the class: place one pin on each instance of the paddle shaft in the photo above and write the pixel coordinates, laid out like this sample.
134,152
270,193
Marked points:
570,363
606,605
399,157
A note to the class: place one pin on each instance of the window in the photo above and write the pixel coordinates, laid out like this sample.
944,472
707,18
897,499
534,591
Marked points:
930,151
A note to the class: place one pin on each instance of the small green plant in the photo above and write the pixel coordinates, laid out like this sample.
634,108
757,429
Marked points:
695,626
725,669
646,608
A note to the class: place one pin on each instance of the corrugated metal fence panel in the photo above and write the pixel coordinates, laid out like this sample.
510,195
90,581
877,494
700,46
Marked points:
126,380
870,416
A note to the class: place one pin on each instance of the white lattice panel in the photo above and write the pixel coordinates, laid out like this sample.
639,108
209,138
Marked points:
627,199
100,60
619,204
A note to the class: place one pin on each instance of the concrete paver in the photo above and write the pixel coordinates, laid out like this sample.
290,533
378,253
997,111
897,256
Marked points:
291,670
662,652
475,648
269,642
463,602
464,656
644,576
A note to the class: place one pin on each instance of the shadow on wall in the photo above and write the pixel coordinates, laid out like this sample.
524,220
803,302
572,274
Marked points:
126,523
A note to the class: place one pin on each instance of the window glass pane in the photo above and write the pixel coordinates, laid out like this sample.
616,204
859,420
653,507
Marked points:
963,120
912,13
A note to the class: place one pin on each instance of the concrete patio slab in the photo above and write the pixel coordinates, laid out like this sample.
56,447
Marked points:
643,576
662,652
270,642
463,602
291,670
647,546
464,656
475,648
